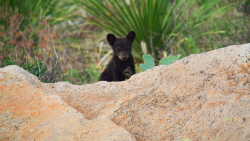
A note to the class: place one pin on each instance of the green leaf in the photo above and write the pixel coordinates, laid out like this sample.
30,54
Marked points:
149,62
168,60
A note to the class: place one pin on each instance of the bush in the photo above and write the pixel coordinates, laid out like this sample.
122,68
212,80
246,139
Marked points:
44,42
24,44
37,68
28,46
10,61
155,22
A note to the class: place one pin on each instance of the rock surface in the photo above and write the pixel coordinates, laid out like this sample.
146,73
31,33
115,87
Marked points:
29,112
200,97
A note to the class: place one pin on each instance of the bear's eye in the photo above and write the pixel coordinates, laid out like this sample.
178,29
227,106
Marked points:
118,49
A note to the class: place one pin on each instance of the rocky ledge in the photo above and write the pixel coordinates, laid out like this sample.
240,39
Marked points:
200,97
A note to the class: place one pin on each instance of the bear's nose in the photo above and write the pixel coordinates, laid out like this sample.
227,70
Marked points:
124,57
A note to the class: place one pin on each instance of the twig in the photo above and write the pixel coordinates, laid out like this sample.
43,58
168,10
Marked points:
39,68
16,53
100,51
53,69
61,70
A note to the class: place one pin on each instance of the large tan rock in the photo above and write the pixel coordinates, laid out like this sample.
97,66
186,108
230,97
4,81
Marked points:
28,112
200,97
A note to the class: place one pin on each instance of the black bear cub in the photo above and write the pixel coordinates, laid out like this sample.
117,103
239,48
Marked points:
122,64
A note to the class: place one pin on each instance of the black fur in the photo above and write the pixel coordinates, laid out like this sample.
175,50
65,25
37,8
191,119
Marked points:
122,64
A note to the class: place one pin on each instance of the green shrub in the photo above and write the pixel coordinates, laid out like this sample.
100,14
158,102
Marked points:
10,61
154,21
37,68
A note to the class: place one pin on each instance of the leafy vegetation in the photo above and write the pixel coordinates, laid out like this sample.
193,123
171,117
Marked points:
32,11
10,61
167,60
150,63
92,75
155,21
37,68
30,42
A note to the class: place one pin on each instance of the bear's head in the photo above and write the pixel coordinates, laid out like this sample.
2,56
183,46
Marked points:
122,47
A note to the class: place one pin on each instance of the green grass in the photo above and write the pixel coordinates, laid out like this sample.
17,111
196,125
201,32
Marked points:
91,75
32,11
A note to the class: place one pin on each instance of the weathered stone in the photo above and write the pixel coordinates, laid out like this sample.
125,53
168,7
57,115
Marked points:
200,97
27,112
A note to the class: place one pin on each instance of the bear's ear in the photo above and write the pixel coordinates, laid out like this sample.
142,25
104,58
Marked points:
131,36
111,39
